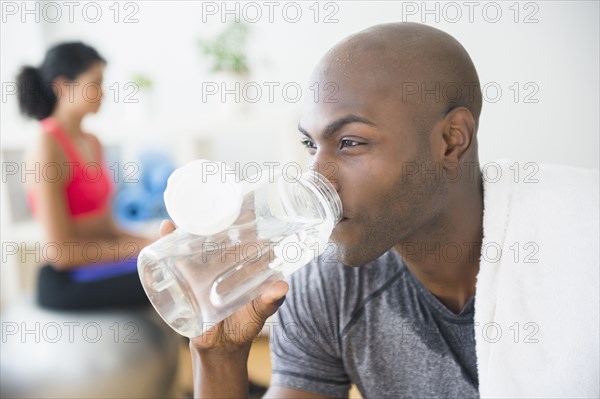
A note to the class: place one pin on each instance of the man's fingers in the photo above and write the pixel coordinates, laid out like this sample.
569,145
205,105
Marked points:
271,299
264,306
166,227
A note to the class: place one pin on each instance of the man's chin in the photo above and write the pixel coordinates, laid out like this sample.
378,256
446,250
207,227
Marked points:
356,253
352,247
351,255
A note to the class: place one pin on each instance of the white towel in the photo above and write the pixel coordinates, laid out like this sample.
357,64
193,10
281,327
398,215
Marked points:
537,302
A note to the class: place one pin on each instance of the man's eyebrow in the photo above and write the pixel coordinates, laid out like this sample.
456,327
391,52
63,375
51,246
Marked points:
338,124
303,131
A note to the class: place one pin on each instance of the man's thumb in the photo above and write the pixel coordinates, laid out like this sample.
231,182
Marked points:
272,299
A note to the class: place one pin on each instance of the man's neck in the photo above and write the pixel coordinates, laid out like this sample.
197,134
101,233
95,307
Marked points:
445,257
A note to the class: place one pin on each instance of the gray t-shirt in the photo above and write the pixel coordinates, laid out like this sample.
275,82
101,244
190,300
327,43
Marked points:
375,326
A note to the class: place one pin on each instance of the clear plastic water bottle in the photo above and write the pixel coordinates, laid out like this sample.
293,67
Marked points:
234,239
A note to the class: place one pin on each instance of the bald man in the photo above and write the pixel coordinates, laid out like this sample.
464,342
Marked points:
383,310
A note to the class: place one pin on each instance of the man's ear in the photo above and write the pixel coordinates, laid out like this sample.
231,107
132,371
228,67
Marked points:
458,133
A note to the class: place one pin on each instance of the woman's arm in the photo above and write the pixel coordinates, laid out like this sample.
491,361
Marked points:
68,246
108,225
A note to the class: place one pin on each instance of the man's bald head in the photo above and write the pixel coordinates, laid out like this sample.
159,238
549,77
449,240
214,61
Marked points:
410,64
392,150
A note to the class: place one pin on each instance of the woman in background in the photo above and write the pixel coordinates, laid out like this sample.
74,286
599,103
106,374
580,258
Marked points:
92,263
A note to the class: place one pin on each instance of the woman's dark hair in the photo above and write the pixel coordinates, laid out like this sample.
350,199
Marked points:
36,97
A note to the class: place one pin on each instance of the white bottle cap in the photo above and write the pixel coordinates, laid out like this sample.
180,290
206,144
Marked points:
201,199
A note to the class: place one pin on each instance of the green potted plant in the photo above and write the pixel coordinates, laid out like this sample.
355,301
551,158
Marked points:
227,51
143,94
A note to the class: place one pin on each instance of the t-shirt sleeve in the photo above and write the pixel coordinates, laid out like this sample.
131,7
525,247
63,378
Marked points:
305,345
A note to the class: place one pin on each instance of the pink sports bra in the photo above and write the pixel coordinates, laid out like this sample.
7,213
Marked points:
89,188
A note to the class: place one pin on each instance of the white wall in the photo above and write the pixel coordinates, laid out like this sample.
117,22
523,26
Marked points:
558,54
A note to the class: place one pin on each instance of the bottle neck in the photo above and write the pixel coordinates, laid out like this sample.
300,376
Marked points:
324,189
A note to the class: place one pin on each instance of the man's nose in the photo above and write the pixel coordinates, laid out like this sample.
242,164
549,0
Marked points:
328,168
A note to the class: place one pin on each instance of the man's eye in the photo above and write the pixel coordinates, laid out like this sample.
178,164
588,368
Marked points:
350,143
308,144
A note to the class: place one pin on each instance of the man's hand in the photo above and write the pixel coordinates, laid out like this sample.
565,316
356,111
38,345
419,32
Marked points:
220,360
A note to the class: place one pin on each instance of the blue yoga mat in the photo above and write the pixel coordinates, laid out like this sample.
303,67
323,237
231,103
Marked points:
103,271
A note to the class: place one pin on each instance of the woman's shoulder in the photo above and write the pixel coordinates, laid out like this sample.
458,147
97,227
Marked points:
43,156
43,148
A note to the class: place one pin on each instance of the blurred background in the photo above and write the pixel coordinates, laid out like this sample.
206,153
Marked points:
226,81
